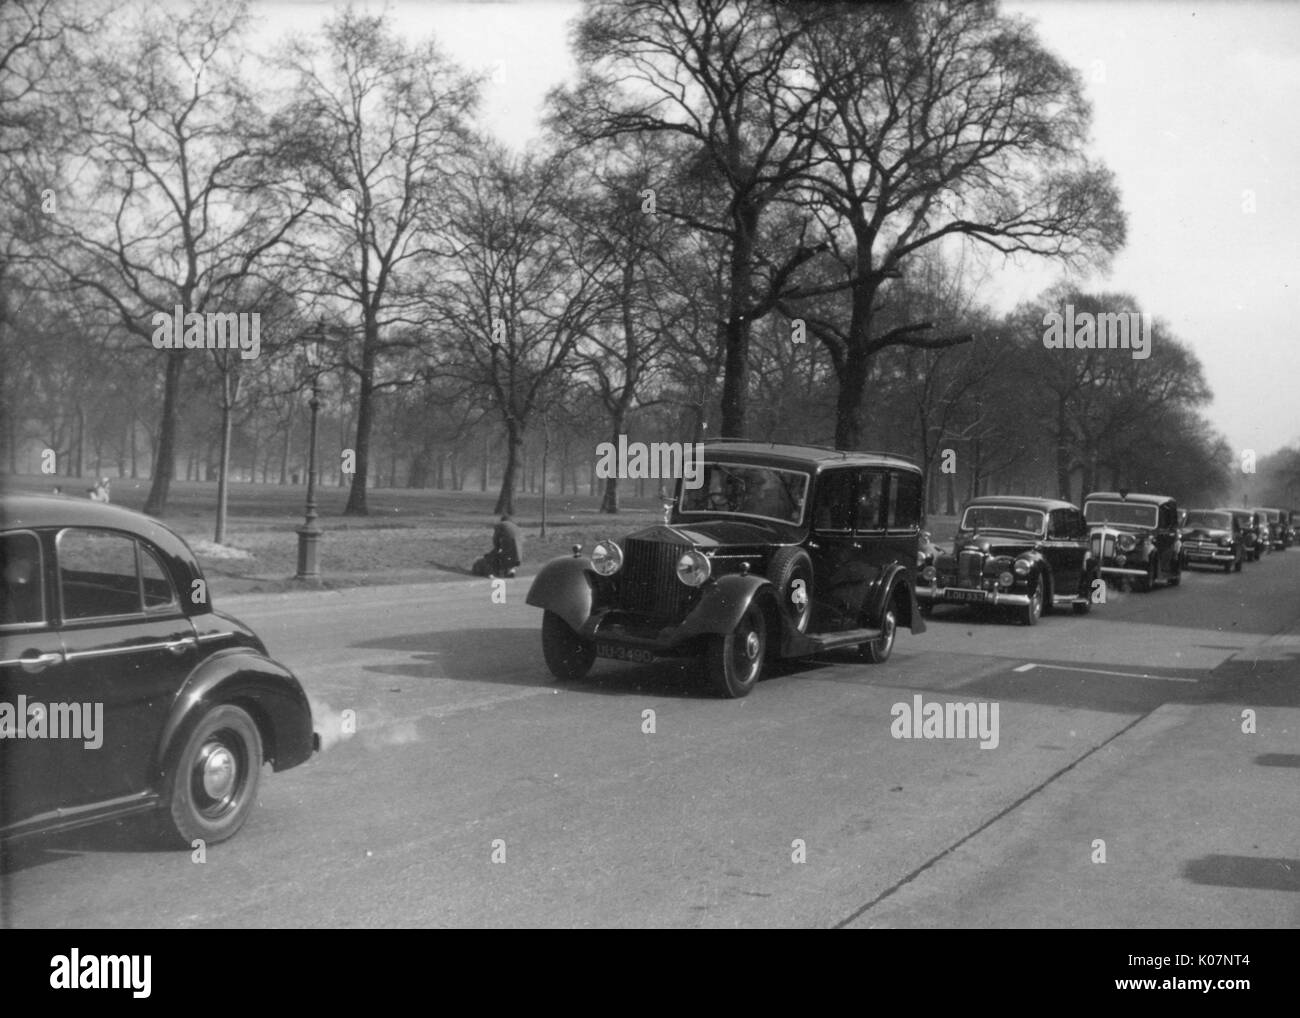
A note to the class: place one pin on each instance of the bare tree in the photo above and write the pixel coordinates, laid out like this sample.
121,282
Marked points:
941,121
380,126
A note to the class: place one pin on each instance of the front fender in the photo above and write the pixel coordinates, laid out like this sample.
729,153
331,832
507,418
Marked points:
266,689
885,588
563,586
721,606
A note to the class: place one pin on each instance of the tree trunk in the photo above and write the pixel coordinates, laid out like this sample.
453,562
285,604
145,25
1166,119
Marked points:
514,451
848,402
365,421
164,463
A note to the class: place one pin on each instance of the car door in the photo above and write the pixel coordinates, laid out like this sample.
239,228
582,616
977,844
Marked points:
128,647
31,662
832,545
1167,540
1064,550
903,512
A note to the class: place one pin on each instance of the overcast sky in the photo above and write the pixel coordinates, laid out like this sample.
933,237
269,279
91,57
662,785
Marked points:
1195,104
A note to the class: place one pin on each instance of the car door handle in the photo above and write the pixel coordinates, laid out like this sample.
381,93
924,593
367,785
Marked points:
34,663
179,647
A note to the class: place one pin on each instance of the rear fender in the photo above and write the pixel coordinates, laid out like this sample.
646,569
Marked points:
886,586
563,586
266,689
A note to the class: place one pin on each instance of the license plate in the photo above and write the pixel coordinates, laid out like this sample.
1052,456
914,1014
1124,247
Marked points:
964,595
620,653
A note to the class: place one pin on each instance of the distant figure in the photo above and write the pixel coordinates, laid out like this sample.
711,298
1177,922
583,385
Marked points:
57,490
507,550
99,493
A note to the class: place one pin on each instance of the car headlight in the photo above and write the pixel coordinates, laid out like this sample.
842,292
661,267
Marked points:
1022,567
1127,542
607,558
929,573
693,568
1226,542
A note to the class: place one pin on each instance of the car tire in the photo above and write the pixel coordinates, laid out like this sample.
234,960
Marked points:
788,565
210,787
1033,611
568,656
733,661
877,651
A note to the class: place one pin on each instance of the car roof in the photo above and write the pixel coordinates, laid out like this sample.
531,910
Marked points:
1022,502
31,512
812,457
1140,497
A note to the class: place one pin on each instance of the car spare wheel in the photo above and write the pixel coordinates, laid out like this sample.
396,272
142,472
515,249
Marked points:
567,655
791,573
733,661
211,783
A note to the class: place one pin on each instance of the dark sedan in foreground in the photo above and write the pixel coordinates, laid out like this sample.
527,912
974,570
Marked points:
121,690
781,551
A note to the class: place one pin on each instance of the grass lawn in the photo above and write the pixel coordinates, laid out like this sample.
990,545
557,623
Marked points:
410,536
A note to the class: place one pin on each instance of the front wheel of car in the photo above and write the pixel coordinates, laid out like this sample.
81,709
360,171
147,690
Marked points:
734,660
1033,611
567,655
877,651
211,785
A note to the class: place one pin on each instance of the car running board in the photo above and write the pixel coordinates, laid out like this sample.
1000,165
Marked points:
802,643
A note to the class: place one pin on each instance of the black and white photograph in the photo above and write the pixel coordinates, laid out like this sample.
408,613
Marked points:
670,464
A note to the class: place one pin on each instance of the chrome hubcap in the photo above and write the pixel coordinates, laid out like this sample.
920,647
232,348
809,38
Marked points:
220,772
751,645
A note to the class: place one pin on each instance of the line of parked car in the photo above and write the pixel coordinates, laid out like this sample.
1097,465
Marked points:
786,551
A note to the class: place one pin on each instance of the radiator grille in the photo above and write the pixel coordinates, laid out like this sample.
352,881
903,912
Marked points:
1103,547
648,582
970,565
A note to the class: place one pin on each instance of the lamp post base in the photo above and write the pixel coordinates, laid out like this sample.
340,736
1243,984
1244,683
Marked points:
308,559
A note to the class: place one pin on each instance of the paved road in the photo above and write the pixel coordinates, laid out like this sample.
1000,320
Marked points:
1126,730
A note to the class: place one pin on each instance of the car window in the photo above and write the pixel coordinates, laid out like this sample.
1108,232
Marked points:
833,507
98,574
22,599
904,501
871,499
158,590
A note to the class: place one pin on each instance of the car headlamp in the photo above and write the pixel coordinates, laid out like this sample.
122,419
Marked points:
1127,542
1022,567
693,568
929,573
606,558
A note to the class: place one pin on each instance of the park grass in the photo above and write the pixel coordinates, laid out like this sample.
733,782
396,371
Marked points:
409,536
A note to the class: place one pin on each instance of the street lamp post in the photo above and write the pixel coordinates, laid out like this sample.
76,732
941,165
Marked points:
309,533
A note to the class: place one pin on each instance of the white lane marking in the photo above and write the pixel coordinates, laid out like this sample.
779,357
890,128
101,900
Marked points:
1100,671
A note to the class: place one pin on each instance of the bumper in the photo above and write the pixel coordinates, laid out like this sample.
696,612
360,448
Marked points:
1219,555
1122,571
939,594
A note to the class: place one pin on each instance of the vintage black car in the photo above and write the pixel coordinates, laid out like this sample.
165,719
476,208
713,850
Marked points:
1279,529
1250,542
122,691
1031,554
1266,527
781,551
1213,537
1135,537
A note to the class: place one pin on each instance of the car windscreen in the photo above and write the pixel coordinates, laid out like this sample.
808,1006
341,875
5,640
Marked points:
748,490
999,517
1212,520
1131,514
